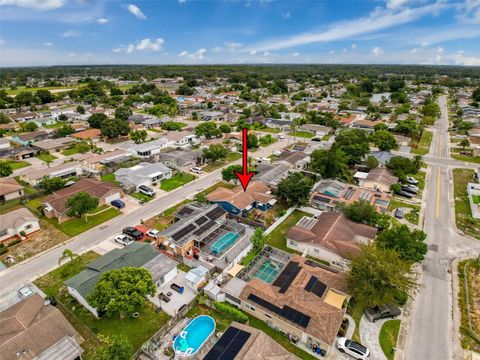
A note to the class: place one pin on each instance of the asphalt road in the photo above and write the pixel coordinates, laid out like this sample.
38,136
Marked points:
24,273
431,333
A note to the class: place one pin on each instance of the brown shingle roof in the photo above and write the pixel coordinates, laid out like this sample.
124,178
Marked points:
382,175
9,185
256,191
87,134
92,187
325,319
334,232
31,326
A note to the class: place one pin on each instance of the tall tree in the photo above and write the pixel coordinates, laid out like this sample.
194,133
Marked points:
215,152
258,239
123,113
229,172
410,245
5,169
80,204
96,120
354,144
122,291
295,189
113,128
50,185
361,211
63,131
115,347
378,275
329,163
208,129
138,136
384,140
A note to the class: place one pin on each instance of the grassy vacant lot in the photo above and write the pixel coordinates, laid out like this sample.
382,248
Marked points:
466,158
463,215
278,237
76,226
46,157
422,147
176,181
231,157
303,134
388,337
18,164
25,89
470,339
137,331
223,322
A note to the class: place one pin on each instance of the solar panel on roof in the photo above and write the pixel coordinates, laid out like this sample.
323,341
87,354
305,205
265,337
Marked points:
349,193
321,199
215,213
229,345
287,276
201,220
182,232
185,211
204,228
316,287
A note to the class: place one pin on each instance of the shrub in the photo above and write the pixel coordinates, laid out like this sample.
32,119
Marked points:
15,242
3,249
401,297
231,312
23,233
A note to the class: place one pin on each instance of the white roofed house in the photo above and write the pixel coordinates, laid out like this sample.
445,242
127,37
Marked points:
65,170
12,224
142,174
147,150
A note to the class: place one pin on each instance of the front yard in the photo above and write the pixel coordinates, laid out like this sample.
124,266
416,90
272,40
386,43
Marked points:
388,337
46,157
176,181
463,214
303,134
422,146
231,157
142,197
70,152
135,330
18,164
466,158
411,216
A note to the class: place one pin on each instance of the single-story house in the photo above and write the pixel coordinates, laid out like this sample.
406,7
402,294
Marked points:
54,144
331,237
196,277
142,174
94,163
18,153
181,160
283,125
33,329
10,189
65,170
14,222
317,130
184,138
89,134
150,149
376,179
161,267
473,191
297,159
383,157
31,137
23,116
211,115
236,201
4,143
55,205
272,174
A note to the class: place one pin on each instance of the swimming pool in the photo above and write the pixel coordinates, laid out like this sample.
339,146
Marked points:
194,335
223,243
268,271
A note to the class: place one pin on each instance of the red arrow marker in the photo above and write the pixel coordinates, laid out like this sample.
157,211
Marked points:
244,176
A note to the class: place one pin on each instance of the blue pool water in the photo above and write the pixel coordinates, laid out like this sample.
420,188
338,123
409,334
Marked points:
194,335
224,242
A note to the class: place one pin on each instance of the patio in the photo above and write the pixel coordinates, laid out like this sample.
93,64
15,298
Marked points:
176,300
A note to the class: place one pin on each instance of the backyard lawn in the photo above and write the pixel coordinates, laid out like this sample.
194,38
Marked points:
278,238
388,337
136,330
46,157
463,215
76,226
176,181
303,134
231,157
422,147
70,152
18,164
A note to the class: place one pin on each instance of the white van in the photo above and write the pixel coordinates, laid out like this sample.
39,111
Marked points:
196,170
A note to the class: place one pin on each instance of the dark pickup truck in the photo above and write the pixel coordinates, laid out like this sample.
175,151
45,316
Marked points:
133,233
381,312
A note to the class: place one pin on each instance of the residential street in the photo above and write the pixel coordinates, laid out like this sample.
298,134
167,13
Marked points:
23,273
431,333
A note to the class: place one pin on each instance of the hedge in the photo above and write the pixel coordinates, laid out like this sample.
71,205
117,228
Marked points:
15,242
231,312
3,249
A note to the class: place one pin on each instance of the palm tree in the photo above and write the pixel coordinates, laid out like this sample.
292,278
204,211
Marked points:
67,253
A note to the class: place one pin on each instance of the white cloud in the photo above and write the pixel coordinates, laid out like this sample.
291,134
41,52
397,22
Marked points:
376,51
141,45
71,33
232,46
286,15
295,54
48,44
197,55
135,10
102,21
2,41
344,50
253,52
461,59
394,4
469,11
354,46
379,19
41,5
331,52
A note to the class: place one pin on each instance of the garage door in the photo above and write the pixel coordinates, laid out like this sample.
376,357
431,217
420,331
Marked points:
112,197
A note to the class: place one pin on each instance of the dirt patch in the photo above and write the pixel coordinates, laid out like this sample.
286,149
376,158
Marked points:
46,238
474,289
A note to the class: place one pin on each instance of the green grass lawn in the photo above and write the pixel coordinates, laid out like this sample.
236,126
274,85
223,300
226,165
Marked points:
176,181
423,146
273,141
303,134
24,89
137,331
388,337
232,156
142,197
70,152
469,339
476,199
463,215
411,217
355,310
270,130
18,164
76,226
466,158
278,237
46,157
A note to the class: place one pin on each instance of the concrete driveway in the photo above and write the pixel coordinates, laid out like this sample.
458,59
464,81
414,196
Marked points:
369,332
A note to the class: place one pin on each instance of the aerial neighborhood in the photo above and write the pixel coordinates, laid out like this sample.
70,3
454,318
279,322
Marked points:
125,231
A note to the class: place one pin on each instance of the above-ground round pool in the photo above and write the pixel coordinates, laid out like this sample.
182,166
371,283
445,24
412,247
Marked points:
194,335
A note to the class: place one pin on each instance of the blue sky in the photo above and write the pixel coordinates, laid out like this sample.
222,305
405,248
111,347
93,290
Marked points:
51,32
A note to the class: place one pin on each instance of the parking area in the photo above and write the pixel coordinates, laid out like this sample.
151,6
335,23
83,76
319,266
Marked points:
106,245
131,204
177,300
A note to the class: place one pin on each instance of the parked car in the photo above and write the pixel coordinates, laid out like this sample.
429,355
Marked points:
123,239
352,348
153,233
405,194
196,170
381,312
409,189
118,204
412,180
281,136
25,292
146,190
399,213
133,233
413,188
